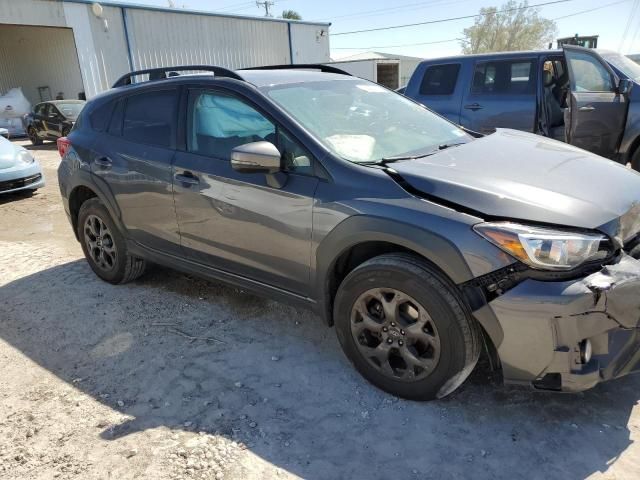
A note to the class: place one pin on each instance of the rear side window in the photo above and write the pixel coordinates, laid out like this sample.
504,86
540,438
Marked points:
504,78
149,118
115,126
440,79
100,116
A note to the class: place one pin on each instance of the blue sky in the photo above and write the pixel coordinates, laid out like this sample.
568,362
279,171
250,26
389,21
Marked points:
610,22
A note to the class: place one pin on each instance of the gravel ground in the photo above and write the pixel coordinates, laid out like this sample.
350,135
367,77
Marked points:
174,377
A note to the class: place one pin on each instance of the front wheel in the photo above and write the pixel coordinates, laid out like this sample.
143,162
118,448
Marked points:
405,328
104,246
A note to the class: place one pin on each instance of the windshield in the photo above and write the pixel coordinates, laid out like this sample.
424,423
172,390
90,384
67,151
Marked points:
70,110
623,63
364,122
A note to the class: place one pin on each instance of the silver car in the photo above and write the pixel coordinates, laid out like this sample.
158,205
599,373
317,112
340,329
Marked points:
19,171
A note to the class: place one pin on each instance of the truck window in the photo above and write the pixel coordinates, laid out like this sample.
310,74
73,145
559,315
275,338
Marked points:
504,77
440,79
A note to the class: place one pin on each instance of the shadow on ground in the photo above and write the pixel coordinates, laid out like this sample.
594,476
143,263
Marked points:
306,410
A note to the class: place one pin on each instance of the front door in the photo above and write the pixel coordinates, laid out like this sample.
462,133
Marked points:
54,123
597,112
502,95
240,222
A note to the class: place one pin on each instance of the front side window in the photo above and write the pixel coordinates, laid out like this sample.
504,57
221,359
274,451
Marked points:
363,122
219,123
504,77
440,79
150,118
588,74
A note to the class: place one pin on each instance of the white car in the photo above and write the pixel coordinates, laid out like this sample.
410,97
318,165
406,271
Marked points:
19,171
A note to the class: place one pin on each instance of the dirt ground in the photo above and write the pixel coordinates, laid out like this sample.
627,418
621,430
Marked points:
175,377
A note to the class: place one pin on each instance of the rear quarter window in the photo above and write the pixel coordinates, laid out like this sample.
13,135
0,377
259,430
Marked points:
440,79
100,116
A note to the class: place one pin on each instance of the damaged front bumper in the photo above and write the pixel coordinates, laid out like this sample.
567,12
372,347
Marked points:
540,328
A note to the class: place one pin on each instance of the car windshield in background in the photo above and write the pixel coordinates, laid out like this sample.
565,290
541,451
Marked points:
623,63
364,122
70,110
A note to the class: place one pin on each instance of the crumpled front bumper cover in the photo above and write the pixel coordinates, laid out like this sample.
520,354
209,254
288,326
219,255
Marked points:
544,322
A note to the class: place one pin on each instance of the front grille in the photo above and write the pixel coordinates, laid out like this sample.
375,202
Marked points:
20,182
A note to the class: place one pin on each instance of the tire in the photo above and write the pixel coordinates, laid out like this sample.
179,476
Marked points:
635,160
33,136
66,131
104,246
433,344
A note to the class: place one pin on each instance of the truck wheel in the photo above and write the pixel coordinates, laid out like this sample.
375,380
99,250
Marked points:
104,246
405,328
33,136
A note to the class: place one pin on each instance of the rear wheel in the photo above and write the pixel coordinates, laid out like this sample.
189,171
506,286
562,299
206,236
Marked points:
104,246
33,136
404,327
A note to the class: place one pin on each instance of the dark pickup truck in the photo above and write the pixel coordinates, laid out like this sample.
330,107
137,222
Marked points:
588,98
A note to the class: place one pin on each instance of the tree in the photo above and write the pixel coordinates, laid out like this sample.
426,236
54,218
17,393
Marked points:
511,27
291,15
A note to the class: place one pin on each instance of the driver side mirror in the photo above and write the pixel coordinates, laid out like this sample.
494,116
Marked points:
624,86
256,157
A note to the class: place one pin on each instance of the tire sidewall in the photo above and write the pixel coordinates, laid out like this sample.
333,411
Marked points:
95,207
424,291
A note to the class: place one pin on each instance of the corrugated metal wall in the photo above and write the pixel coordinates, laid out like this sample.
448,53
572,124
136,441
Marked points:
157,37
38,57
166,39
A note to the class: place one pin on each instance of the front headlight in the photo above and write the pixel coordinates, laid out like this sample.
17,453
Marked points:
25,157
545,248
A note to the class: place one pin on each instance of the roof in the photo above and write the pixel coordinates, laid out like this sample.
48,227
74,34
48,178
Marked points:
137,6
267,78
495,54
377,56
57,102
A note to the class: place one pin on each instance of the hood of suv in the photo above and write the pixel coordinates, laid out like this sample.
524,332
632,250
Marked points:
521,176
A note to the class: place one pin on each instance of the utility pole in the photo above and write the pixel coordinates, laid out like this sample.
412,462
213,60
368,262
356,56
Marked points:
266,4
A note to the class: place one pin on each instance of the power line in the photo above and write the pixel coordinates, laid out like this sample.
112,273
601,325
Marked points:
403,7
591,9
397,46
450,19
461,39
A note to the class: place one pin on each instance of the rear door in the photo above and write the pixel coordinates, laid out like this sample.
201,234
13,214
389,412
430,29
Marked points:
441,91
133,155
502,95
240,222
597,112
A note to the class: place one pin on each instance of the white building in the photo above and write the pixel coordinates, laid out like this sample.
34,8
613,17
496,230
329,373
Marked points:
49,47
391,70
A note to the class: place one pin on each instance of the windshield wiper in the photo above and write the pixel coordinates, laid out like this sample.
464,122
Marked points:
444,146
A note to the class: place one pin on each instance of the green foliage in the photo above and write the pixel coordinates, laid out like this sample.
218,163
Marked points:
500,30
291,15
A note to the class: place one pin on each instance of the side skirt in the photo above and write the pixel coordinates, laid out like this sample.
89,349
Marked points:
211,273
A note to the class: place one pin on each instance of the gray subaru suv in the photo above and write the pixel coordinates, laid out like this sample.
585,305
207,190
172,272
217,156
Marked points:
421,242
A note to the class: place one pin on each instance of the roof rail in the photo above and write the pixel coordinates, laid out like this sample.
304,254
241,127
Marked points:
302,66
165,72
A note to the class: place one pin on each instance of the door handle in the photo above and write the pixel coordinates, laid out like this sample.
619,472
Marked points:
187,178
473,106
588,108
103,162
